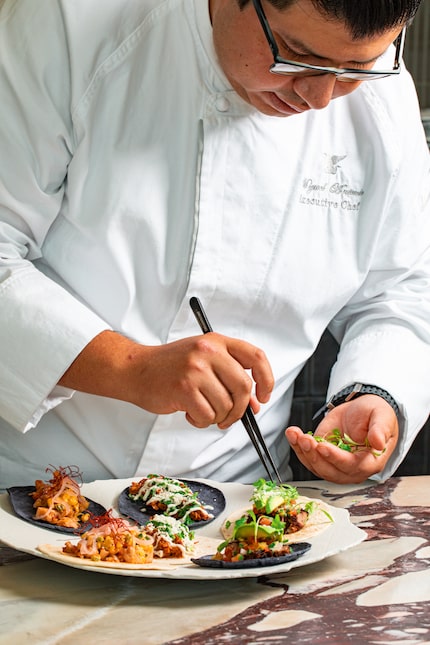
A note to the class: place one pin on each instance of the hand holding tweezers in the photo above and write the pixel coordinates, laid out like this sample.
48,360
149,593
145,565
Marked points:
249,421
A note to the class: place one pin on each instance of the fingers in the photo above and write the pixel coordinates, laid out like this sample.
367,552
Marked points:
219,400
205,408
383,431
337,465
366,418
232,375
223,387
331,463
253,358
209,378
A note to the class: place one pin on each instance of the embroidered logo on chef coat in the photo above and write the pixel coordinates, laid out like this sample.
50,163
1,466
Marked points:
334,191
332,162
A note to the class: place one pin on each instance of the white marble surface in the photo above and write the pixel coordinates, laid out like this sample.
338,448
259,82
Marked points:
375,592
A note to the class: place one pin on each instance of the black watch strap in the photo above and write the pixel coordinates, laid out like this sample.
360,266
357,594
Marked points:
352,392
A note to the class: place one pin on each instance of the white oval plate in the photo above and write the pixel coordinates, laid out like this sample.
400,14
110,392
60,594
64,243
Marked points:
339,535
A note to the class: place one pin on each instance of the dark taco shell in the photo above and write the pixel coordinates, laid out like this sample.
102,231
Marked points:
207,495
22,504
298,549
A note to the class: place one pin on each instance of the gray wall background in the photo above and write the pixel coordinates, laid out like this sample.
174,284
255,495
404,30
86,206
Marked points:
417,53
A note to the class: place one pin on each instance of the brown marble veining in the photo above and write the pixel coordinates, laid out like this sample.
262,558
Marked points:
377,600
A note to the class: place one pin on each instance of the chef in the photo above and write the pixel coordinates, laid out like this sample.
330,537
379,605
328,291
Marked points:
266,157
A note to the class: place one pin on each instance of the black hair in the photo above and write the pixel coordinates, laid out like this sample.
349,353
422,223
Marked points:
362,17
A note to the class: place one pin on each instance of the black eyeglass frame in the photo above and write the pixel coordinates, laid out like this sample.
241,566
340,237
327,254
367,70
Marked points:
348,74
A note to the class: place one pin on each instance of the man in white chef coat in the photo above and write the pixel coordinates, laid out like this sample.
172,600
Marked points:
266,156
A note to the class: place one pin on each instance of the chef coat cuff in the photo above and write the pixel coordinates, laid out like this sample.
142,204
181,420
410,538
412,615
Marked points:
56,396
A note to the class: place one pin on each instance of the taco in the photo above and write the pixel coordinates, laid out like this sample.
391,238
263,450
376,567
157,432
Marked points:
56,504
114,542
194,503
169,496
273,505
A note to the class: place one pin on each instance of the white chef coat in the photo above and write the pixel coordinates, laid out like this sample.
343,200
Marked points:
132,177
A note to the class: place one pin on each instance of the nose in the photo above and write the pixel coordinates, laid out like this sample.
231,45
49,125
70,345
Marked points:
317,91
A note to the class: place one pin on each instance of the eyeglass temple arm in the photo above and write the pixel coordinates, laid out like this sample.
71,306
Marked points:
400,43
266,27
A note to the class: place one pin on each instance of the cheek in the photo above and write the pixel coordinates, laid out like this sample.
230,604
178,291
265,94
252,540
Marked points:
257,78
248,67
254,78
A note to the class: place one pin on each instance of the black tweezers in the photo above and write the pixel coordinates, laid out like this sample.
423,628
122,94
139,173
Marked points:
248,419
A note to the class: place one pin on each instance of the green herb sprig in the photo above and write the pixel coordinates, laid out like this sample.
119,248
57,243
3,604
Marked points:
344,442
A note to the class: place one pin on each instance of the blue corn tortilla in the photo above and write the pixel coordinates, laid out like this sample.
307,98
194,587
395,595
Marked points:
207,495
22,504
298,549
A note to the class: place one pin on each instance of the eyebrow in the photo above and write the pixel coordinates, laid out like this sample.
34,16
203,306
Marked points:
304,50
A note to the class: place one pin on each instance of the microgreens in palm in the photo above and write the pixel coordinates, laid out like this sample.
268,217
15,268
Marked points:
344,442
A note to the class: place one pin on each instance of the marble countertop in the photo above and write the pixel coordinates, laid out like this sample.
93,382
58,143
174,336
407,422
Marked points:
375,592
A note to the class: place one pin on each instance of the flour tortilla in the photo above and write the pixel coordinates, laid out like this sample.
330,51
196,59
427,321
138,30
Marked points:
203,546
318,521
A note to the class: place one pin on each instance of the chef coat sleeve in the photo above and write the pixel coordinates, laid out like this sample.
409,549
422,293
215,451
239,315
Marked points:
42,326
384,331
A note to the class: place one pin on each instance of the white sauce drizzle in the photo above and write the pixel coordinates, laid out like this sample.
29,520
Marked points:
178,498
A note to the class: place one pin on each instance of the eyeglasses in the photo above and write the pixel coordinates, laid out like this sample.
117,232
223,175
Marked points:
291,68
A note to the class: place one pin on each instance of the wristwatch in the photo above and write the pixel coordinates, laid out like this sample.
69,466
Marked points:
352,392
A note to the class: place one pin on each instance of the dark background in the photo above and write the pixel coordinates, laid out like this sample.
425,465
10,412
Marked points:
417,53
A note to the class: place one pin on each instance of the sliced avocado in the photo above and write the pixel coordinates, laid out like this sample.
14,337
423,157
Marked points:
273,502
247,531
